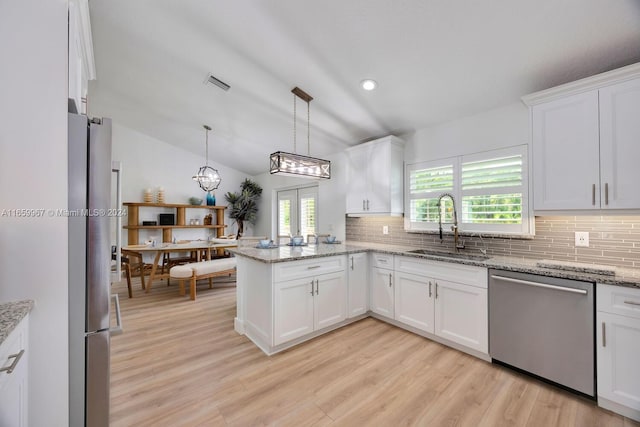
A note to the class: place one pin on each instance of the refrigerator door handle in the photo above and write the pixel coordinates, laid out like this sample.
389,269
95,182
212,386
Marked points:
116,330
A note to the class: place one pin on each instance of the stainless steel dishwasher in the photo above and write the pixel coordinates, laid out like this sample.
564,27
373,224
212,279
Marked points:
544,326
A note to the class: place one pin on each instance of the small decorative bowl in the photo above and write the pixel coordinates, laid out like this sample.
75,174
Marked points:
297,240
331,239
195,201
264,243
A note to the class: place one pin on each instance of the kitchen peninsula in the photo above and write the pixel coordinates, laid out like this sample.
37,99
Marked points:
288,295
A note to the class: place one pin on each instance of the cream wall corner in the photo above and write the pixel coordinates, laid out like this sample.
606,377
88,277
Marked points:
33,175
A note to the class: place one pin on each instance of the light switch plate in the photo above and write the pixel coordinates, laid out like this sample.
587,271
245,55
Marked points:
582,239
385,229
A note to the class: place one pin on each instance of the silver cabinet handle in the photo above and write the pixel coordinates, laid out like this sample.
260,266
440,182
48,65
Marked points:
352,263
16,358
390,280
541,285
317,286
429,288
382,260
632,302
436,290
116,330
313,267
367,204
593,194
312,288
363,208
606,193
604,336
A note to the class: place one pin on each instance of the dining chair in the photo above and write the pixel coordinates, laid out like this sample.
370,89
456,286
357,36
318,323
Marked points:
126,266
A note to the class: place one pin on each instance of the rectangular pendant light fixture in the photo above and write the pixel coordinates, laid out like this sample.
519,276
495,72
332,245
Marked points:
293,164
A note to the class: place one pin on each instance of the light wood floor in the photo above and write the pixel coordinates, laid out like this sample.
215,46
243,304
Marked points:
180,363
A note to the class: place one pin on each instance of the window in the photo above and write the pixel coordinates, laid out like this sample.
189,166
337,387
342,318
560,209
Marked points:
490,190
426,182
297,211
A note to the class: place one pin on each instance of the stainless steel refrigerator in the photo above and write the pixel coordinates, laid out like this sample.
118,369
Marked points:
89,270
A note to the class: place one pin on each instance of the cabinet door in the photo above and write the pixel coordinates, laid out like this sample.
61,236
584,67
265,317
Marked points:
378,178
566,153
461,314
357,179
293,309
620,145
414,301
330,299
618,356
358,268
13,386
382,291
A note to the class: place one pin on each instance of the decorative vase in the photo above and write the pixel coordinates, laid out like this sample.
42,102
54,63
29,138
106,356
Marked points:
211,199
240,223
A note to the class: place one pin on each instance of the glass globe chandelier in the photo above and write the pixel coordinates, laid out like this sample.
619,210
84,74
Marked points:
207,177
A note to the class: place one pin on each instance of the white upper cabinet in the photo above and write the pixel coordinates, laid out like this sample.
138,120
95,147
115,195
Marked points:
81,62
620,145
374,177
584,143
565,153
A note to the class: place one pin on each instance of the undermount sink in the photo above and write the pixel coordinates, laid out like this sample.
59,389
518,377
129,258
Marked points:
455,255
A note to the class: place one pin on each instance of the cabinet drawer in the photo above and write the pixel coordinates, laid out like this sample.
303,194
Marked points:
305,268
451,271
382,260
618,300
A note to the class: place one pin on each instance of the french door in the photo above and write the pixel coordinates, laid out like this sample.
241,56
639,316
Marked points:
298,212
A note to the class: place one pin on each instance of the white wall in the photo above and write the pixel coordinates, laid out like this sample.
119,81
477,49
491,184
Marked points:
492,129
149,162
331,199
33,174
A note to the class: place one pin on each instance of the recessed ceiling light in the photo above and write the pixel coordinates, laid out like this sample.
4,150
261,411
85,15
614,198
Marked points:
368,84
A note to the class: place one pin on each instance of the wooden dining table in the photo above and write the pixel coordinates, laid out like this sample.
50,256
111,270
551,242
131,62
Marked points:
198,246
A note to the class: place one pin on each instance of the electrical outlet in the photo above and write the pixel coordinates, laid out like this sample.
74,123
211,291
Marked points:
385,229
582,239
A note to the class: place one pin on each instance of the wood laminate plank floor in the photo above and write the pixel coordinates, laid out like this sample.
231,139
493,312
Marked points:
180,363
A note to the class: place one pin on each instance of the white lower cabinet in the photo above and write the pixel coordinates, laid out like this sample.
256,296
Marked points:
618,351
445,299
358,282
293,309
308,304
13,385
330,301
414,301
382,295
461,314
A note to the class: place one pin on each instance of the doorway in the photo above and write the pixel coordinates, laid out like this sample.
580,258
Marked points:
297,212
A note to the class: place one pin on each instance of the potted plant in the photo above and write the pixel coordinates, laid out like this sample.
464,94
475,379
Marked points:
243,205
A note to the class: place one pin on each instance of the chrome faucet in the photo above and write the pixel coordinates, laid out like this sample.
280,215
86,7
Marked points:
456,238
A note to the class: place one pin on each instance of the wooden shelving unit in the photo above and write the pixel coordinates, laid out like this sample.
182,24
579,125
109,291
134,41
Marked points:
133,224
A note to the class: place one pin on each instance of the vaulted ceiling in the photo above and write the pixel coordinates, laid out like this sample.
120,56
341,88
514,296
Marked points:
434,61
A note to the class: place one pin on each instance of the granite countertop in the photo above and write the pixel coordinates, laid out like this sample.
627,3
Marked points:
618,276
11,313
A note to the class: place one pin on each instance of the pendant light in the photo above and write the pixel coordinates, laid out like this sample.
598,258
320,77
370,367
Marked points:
294,164
207,177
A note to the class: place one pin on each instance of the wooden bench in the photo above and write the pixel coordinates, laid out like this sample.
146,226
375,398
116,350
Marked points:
202,270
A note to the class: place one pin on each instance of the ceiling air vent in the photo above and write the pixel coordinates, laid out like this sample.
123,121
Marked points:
213,80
